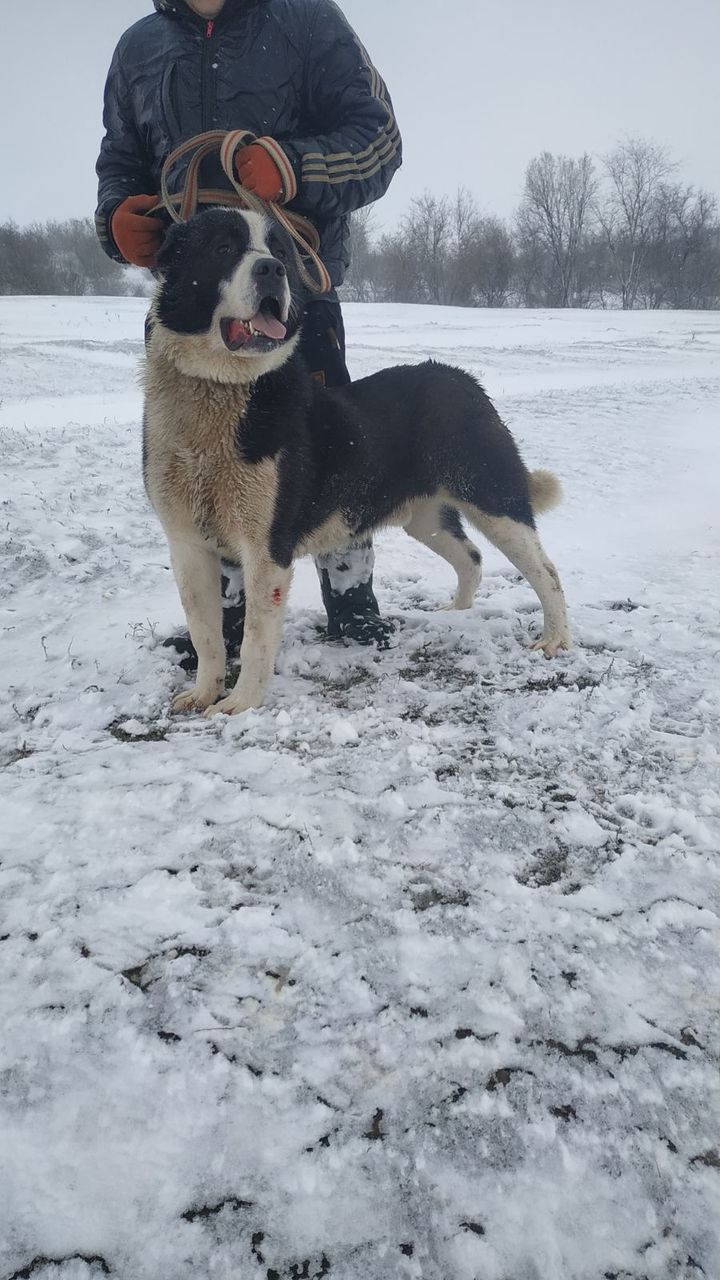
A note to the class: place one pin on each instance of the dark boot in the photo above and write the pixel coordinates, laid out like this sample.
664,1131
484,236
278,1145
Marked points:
346,582
354,614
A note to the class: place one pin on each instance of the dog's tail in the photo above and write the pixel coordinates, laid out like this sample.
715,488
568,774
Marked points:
545,491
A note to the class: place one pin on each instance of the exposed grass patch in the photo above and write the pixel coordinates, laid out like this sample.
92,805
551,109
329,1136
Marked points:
211,1211
21,753
155,733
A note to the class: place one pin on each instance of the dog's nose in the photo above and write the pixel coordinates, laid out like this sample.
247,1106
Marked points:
268,270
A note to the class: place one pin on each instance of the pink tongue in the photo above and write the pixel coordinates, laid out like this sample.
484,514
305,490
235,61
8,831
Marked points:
268,325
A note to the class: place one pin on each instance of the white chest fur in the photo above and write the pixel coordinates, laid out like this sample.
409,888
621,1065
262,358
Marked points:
196,478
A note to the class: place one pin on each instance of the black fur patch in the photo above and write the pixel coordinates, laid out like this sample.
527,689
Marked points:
450,521
195,259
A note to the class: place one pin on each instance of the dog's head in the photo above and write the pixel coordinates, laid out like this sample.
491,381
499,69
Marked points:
229,298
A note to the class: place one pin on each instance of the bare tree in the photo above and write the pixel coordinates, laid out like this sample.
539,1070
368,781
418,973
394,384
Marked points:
465,218
360,284
398,271
682,266
446,252
25,260
637,171
555,214
427,229
487,261
464,223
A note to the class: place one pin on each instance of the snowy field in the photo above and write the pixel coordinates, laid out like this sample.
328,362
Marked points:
415,973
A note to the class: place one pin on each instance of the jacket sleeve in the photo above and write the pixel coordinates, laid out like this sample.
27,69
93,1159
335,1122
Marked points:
355,148
122,167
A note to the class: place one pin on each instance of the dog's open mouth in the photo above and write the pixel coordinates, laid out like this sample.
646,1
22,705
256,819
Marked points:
265,324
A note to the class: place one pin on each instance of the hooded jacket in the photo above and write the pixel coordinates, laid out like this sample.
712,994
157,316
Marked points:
288,70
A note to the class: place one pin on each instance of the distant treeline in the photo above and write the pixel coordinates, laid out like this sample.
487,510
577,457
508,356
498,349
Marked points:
621,232
62,258
625,234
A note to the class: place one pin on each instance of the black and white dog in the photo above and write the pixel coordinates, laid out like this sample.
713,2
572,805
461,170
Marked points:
247,459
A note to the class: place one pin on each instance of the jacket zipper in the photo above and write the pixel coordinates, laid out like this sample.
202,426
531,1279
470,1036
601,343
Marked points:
205,111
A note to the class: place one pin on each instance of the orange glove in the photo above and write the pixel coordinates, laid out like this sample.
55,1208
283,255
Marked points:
138,238
257,171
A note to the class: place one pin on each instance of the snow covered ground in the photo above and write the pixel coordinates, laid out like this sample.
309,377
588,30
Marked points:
415,973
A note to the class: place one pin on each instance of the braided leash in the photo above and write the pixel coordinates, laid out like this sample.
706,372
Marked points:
183,204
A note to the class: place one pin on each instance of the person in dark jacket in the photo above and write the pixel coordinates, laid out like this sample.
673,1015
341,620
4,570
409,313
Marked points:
293,73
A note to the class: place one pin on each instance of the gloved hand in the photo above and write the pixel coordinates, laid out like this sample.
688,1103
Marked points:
138,238
257,171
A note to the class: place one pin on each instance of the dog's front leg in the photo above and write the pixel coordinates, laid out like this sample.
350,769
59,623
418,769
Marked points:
197,573
266,590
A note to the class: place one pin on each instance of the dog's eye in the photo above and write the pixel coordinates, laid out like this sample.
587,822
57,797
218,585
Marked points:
224,247
280,253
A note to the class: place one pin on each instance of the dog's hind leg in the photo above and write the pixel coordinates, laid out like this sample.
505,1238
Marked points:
520,543
439,527
266,590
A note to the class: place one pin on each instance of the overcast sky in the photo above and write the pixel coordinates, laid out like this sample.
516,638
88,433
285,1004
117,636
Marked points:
479,86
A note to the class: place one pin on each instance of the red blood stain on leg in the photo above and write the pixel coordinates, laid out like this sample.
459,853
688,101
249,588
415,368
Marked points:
277,596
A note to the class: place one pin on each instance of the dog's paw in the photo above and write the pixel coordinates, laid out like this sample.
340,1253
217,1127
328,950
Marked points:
459,602
552,644
195,699
229,707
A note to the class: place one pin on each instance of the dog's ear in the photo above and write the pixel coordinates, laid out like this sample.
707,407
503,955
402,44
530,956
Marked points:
174,241
283,236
